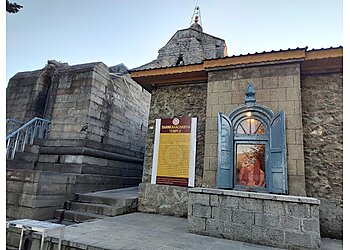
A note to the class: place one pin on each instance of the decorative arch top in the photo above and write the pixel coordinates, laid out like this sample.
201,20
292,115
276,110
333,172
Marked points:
250,105
250,95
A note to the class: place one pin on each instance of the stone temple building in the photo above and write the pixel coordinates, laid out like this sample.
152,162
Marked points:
247,147
296,97
95,119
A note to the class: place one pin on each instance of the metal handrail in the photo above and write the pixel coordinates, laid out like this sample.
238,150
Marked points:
17,140
12,125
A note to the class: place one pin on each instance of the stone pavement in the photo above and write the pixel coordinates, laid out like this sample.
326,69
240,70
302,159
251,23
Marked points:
150,231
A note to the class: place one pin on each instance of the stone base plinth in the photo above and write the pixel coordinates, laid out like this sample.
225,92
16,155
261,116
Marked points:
266,219
163,199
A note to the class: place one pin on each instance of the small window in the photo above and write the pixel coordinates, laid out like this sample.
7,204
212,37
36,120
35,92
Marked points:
251,127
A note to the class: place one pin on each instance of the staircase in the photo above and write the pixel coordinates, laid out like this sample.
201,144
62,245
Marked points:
97,205
17,139
27,159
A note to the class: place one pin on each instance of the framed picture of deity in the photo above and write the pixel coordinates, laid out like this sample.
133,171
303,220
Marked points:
250,165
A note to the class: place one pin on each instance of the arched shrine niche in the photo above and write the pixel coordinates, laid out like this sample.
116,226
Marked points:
252,148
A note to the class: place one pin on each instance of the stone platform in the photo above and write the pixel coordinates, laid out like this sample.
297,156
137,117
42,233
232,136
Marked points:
147,231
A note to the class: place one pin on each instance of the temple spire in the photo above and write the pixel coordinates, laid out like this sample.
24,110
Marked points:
196,20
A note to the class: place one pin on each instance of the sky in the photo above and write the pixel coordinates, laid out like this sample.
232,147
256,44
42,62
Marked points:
132,31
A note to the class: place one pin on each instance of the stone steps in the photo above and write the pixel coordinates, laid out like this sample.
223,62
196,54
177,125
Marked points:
98,205
105,200
26,156
76,216
97,208
64,222
24,160
16,164
59,167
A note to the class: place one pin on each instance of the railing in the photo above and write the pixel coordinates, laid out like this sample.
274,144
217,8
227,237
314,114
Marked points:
17,140
12,125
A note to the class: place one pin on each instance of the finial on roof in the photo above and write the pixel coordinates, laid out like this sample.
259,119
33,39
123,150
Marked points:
250,95
196,20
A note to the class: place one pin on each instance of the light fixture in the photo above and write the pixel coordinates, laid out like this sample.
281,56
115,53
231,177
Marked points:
249,114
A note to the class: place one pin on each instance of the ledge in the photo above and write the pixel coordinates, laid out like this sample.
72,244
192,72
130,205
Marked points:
89,152
263,196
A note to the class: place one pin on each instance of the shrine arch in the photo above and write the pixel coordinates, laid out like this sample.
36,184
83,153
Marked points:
252,148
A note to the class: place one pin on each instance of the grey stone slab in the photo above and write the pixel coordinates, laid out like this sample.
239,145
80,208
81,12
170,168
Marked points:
235,231
289,222
224,214
267,220
199,199
270,236
193,241
196,223
302,239
310,225
298,210
202,211
242,217
214,200
262,196
251,204
274,207
127,231
214,227
226,246
331,244
229,202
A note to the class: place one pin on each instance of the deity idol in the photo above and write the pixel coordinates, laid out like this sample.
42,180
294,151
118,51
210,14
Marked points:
251,174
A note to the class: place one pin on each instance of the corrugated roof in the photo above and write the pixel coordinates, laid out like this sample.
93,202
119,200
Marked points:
242,56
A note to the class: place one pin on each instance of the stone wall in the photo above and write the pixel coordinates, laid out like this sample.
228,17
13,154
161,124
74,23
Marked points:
277,87
265,219
36,194
163,199
83,102
322,105
168,102
24,95
88,104
97,134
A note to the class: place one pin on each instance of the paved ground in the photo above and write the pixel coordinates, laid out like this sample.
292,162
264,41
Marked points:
149,231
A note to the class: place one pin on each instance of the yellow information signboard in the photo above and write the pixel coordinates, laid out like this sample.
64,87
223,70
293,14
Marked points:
173,159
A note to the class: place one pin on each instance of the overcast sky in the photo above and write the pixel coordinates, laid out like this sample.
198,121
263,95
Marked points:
132,31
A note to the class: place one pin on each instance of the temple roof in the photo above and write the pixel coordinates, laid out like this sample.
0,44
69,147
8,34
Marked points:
312,61
187,46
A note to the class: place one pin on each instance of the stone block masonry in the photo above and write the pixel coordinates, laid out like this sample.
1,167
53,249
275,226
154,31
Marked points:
36,194
97,133
278,88
266,219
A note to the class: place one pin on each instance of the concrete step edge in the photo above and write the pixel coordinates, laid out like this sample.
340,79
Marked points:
98,200
78,216
101,209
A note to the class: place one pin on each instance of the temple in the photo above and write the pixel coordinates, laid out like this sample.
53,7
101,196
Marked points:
247,147
302,158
